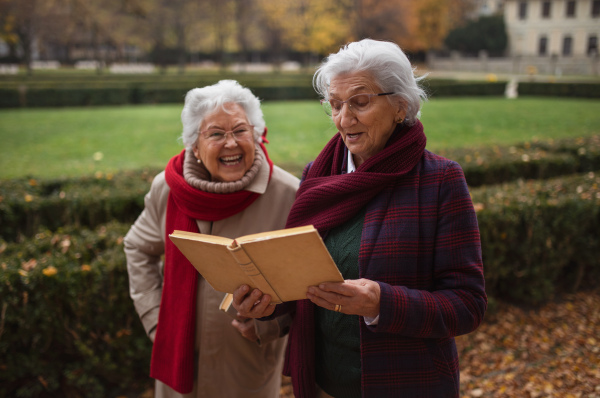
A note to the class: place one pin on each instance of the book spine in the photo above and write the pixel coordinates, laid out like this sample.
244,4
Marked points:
253,272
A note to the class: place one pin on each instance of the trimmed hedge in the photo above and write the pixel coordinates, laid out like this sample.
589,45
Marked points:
462,89
528,160
66,90
28,204
581,90
68,326
540,236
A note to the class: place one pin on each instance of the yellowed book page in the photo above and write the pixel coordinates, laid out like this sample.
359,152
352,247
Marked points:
227,305
292,263
211,257
275,234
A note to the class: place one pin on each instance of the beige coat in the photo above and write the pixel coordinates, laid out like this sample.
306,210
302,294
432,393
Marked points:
228,365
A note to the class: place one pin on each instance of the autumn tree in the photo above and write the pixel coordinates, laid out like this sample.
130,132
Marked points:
433,19
20,24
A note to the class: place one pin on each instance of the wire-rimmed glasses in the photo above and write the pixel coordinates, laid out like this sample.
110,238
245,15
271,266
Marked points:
243,132
356,103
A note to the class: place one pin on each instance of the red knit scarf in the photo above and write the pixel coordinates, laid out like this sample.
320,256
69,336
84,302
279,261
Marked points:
328,198
173,351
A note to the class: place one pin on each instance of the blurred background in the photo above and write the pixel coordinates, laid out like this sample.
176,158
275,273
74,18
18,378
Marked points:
503,36
90,100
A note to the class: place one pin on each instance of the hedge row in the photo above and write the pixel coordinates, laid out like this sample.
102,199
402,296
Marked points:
69,327
540,236
560,89
28,204
84,96
47,95
529,160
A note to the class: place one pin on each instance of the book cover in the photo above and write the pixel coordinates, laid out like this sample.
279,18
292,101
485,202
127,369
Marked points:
282,263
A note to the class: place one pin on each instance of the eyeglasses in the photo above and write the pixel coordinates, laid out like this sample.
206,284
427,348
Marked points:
243,132
356,103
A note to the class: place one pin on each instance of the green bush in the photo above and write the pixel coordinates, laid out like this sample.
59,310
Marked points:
28,204
80,90
69,327
530,160
581,90
445,88
540,236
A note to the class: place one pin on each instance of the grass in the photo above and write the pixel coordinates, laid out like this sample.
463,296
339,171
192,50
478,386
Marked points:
79,141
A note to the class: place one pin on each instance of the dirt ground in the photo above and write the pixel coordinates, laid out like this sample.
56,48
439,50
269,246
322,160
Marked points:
551,351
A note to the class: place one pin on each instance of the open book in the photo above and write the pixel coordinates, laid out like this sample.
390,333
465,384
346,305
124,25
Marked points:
282,263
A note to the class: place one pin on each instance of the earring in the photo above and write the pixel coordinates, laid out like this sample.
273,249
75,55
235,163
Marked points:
199,161
399,121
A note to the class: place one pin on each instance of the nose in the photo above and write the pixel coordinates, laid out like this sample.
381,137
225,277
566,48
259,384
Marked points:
230,141
346,117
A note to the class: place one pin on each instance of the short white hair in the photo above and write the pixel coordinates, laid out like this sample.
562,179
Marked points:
385,61
200,102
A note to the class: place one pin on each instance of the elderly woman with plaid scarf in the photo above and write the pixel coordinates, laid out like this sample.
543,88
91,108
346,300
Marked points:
399,223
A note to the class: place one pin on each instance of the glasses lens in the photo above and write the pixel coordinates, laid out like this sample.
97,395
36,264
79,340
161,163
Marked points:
360,102
242,132
214,135
326,107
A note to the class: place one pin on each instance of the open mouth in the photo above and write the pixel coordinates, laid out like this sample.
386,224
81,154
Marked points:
231,160
353,135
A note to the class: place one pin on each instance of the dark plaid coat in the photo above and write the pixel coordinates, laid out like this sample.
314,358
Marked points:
420,242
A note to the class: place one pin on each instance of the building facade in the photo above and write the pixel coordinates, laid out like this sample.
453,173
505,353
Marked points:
552,28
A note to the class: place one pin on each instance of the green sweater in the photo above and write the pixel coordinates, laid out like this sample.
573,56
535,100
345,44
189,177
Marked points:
337,335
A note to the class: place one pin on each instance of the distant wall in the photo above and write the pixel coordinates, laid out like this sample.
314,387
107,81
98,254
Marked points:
522,65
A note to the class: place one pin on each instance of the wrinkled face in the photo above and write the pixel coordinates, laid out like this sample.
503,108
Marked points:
367,131
228,160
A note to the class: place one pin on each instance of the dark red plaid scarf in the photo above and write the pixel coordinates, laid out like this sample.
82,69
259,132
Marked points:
328,198
173,350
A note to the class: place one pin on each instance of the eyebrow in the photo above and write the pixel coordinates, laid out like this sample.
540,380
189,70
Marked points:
216,126
353,91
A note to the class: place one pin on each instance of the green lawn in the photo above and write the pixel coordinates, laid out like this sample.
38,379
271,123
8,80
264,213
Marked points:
77,141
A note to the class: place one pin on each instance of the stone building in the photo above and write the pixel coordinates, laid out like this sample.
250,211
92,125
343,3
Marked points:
552,28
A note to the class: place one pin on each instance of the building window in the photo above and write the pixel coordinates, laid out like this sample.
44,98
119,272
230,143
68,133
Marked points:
596,8
546,9
522,10
567,46
543,46
571,8
592,48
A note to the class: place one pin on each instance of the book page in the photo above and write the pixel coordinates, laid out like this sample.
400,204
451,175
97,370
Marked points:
274,234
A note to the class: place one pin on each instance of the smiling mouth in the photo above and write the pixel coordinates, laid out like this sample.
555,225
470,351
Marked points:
231,160
353,135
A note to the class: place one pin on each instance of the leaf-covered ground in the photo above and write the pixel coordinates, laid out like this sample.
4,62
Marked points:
551,351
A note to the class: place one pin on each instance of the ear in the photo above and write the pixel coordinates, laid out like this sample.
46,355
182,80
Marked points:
196,150
400,111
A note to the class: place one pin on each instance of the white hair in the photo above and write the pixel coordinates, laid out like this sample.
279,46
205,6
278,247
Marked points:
385,61
200,102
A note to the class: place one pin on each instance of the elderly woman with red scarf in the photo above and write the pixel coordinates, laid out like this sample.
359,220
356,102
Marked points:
222,184
399,223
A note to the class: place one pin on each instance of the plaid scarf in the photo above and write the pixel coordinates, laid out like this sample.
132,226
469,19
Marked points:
328,198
